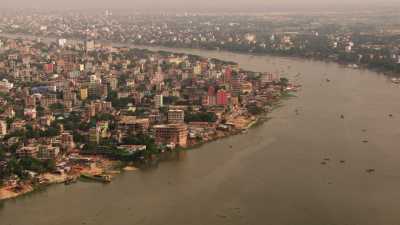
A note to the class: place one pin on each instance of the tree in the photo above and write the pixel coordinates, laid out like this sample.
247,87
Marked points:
209,117
56,107
284,81
49,165
29,163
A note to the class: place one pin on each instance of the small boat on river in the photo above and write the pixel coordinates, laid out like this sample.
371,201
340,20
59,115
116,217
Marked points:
104,178
396,80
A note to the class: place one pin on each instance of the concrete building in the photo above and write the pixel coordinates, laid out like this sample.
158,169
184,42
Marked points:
94,135
67,141
47,152
83,93
27,151
176,116
3,128
222,97
158,101
171,134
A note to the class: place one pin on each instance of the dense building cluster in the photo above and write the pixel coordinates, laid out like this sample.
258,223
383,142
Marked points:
64,105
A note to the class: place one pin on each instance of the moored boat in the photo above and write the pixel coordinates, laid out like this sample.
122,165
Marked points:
104,178
396,80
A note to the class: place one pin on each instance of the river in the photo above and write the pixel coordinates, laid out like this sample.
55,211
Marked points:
272,175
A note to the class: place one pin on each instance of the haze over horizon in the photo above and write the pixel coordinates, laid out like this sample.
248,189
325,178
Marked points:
196,5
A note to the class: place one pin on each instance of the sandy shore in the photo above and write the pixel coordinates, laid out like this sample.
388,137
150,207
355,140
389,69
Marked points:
9,192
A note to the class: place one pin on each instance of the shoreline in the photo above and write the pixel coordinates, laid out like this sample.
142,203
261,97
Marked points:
105,166
119,168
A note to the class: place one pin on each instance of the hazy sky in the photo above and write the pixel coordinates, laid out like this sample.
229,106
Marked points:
193,4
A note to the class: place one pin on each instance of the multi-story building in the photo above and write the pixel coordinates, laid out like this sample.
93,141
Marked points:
171,134
222,97
158,101
236,84
176,116
113,83
47,152
27,151
103,126
83,93
67,141
30,113
30,101
132,124
3,128
94,135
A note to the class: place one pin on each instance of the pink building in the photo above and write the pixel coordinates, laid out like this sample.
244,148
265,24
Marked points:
222,97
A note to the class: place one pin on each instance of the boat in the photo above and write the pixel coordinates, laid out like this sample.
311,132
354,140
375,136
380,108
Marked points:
370,170
396,80
104,178
353,66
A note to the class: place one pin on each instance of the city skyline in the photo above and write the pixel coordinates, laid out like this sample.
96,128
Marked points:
191,5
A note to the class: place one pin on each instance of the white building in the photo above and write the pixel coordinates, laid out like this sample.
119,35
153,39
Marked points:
62,42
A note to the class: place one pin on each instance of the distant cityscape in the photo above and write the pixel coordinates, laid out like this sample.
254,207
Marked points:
368,38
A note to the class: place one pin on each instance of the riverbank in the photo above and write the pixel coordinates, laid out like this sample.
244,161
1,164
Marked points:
102,166
110,167
237,120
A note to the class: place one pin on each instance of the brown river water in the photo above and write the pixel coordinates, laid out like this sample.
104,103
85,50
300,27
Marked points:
272,174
